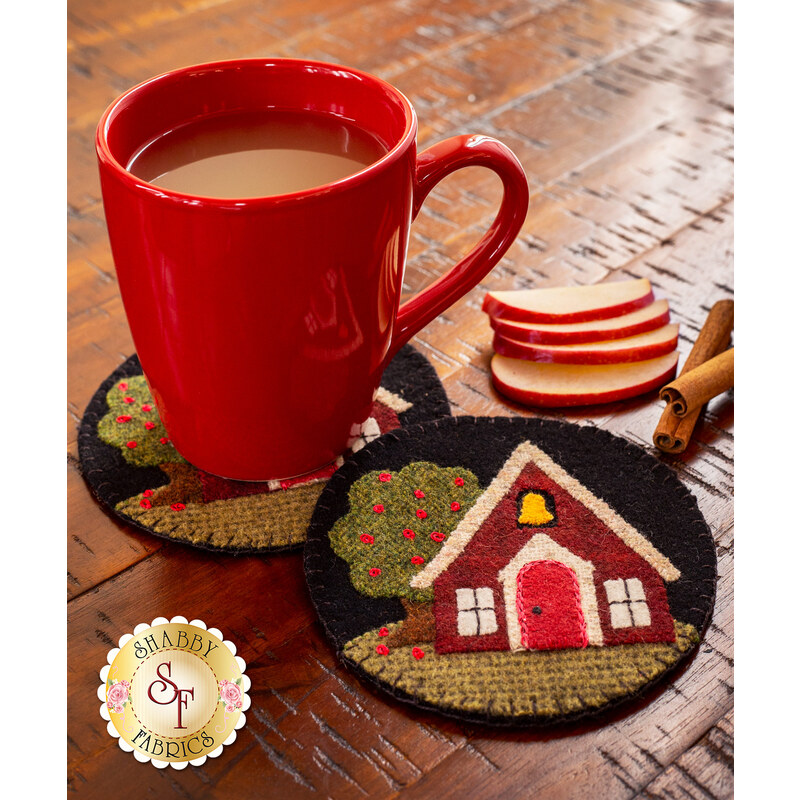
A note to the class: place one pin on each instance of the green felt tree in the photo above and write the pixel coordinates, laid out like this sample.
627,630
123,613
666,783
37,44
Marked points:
398,522
133,425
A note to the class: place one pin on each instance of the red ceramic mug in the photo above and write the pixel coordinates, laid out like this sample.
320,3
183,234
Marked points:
264,324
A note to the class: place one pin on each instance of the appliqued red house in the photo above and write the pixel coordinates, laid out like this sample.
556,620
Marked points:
541,563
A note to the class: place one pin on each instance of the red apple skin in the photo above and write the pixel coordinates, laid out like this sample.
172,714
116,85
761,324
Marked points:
529,397
509,329
548,355
499,308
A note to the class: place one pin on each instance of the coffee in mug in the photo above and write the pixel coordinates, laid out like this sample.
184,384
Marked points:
255,154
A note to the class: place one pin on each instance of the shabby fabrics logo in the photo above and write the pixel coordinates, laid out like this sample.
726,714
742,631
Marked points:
174,692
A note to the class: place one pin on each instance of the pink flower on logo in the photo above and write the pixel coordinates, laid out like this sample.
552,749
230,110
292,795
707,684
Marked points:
118,694
231,695
118,708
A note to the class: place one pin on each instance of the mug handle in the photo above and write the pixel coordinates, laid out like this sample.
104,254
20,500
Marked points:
434,164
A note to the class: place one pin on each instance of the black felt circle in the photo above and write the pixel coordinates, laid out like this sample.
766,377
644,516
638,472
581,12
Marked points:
641,489
113,480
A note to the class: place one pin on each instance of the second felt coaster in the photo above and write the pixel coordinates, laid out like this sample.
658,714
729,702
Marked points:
510,571
132,468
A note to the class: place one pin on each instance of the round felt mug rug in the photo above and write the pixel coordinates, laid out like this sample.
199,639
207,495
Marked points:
133,469
510,571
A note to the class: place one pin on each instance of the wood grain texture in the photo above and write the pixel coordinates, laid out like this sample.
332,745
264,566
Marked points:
621,113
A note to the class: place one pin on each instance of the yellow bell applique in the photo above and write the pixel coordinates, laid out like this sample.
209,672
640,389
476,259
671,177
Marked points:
534,510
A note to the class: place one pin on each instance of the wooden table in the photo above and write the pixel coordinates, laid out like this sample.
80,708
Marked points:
620,111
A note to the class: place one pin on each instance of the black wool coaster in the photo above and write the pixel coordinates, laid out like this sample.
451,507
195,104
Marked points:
510,571
133,469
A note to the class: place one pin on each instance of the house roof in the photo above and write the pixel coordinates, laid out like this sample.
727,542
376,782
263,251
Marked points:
523,455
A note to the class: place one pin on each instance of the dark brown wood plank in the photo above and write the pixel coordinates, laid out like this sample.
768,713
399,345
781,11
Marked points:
706,770
97,546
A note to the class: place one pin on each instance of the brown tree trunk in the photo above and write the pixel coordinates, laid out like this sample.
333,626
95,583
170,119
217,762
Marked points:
184,485
419,625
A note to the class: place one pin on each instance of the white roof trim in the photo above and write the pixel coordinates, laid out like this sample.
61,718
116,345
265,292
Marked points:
486,503
475,517
392,400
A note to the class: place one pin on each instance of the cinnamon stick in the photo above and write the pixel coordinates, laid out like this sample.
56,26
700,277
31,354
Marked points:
672,434
695,388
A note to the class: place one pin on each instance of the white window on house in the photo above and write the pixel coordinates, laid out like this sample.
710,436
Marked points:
627,603
475,611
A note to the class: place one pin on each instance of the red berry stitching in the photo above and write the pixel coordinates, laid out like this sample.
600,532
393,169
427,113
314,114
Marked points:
383,632
417,653
384,477
123,386
455,506
366,538
131,444
382,650
419,494
178,507
374,572
147,407
149,425
417,560
145,504
147,493
378,509
437,537
164,440
124,418
408,533
421,514
128,399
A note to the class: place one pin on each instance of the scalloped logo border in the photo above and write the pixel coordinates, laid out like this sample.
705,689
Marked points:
232,704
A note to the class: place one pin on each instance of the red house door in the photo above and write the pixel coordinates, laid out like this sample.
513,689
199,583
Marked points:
549,607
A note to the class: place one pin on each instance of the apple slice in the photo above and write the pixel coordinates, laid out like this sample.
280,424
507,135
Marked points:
570,303
635,348
640,321
559,385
